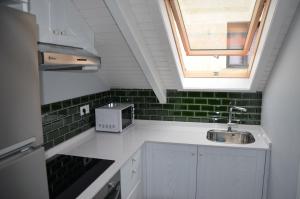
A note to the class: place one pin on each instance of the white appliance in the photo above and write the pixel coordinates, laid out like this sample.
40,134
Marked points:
114,117
22,156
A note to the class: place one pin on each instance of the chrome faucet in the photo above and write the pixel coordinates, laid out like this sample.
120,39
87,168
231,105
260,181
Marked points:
230,123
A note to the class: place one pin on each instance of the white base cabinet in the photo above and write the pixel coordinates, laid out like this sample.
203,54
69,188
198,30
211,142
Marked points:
177,171
230,173
170,171
131,177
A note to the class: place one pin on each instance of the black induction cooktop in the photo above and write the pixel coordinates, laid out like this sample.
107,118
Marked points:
69,175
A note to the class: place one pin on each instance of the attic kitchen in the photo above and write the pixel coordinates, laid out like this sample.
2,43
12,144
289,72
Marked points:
160,99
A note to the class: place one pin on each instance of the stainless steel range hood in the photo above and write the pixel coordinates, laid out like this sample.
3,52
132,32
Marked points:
54,57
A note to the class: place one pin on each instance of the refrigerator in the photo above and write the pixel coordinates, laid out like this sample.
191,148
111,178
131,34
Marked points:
22,156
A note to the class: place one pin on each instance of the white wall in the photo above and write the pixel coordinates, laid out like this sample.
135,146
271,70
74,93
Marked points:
58,86
281,116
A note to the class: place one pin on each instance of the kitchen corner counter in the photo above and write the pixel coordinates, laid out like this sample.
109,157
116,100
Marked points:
121,146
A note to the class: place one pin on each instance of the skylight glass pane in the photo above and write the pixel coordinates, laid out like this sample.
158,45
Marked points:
216,24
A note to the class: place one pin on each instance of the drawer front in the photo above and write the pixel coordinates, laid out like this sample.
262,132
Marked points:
131,174
136,192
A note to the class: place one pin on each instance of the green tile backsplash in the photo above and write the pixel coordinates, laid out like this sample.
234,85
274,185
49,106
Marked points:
62,120
191,106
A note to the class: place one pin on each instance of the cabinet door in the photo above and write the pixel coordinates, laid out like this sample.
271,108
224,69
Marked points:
171,171
229,173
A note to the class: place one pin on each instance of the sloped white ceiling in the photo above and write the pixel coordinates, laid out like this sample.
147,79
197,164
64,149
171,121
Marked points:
119,67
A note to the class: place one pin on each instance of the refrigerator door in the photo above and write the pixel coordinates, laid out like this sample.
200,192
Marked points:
24,176
20,118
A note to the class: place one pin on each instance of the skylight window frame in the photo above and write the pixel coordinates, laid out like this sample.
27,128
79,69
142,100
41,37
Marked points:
176,12
227,73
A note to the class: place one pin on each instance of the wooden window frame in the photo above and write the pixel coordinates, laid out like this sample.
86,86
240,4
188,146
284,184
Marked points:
227,73
257,12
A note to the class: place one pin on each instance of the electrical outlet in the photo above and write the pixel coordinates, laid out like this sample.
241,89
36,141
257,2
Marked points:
84,110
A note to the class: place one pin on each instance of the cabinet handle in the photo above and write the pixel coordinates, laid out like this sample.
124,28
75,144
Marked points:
200,155
193,154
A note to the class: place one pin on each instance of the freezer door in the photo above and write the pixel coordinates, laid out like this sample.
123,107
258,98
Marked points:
20,117
24,176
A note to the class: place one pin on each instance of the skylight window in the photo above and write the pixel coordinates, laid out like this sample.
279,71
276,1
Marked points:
217,38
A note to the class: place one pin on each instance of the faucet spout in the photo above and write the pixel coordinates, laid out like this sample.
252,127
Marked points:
232,108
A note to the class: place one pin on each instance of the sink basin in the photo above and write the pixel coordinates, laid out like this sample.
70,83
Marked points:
232,137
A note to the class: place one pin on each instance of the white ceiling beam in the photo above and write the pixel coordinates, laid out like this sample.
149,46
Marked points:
123,16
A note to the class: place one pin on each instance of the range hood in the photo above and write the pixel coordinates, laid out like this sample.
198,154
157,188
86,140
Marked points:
53,57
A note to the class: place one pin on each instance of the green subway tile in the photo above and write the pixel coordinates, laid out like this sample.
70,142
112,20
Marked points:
63,130
45,108
47,128
221,95
76,117
200,114
131,93
208,94
74,110
207,108
155,117
139,111
75,101
73,126
53,134
194,107
155,106
180,107
150,112
194,94
168,106
143,117
144,93
162,112
255,102
62,113
67,103
187,113
84,99
68,120
92,97
175,113
226,101
59,140
138,100
57,124
174,100
120,93
48,144
193,119
214,101
221,108
180,119
200,101
187,100
56,106
167,118
235,95
142,106
185,106
151,100
126,99
242,102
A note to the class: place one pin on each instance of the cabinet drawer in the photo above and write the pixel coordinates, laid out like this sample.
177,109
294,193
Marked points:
136,192
131,174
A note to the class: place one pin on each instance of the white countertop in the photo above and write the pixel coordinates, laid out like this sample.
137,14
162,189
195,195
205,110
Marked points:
121,146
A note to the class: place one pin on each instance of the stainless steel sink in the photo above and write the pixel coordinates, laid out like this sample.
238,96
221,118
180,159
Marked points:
233,137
